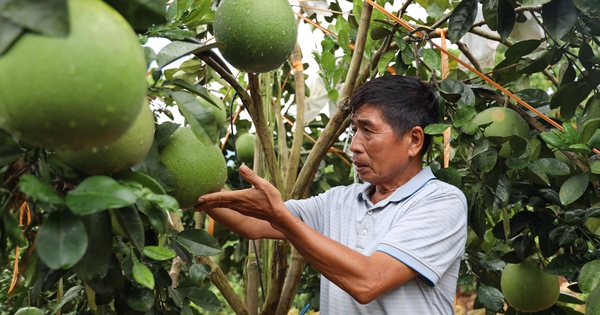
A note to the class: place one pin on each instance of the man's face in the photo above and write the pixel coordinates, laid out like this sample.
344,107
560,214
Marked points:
380,157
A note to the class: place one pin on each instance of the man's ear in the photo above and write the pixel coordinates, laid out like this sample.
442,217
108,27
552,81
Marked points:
417,137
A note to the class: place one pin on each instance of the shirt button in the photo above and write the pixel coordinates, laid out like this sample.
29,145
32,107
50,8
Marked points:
370,212
363,232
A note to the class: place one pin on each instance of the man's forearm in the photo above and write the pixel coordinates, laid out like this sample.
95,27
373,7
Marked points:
248,227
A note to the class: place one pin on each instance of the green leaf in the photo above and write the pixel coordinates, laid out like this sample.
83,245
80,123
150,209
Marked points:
589,276
461,19
552,166
9,34
69,296
98,193
199,242
143,275
464,116
10,227
46,17
141,14
450,176
176,49
158,253
39,190
559,17
94,262
506,18
538,174
201,297
515,52
573,188
127,222
141,299
199,272
435,129
62,240
534,97
588,128
156,215
490,297
144,179
432,59
595,166
385,60
554,140
485,161
201,118
9,153
564,265
164,201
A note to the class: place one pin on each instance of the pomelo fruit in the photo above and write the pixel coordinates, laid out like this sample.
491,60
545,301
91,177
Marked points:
501,124
79,91
197,168
527,288
29,310
259,35
219,110
119,155
592,304
244,146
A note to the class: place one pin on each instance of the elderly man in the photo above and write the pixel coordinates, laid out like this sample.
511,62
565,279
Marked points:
390,245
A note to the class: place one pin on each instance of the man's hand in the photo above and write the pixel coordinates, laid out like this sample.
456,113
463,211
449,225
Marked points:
262,201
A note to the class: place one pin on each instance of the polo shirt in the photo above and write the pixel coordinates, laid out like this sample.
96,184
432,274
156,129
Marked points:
422,224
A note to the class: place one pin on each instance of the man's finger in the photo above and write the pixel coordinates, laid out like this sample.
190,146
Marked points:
250,176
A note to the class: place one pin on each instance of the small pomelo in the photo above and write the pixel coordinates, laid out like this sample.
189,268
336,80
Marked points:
244,146
259,35
118,155
527,288
78,91
503,124
29,310
197,168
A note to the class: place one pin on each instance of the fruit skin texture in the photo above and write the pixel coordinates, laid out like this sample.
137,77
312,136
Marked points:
119,155
78,91
260,35
244,146
592,304
197,168
528,288
29,310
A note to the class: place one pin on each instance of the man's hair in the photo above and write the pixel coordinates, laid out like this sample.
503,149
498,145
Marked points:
405,102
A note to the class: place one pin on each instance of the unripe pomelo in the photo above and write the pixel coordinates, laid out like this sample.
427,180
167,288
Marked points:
259,35
219,110
197,168
121,154
79,91
503,124
592,304
244,146
527,288
29,310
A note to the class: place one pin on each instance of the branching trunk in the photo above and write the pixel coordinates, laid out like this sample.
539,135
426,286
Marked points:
216,276
278,272
292,282
252,278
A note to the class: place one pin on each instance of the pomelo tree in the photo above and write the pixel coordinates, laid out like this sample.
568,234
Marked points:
118,242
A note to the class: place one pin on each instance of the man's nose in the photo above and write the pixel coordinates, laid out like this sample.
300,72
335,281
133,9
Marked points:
355,145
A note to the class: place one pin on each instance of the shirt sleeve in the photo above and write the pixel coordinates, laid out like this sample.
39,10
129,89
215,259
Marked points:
311,211
431,234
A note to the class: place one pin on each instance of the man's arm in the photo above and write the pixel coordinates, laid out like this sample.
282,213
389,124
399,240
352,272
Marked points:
248,227
365,278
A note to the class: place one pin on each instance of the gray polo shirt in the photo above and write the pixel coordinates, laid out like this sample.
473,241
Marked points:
423,224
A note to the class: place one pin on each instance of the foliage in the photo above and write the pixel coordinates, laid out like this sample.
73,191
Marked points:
87,244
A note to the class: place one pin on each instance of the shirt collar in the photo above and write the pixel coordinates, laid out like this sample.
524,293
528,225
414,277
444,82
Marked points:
404,191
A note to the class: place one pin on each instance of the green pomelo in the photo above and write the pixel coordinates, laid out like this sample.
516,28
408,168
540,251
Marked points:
118,155
197,168
259,35
79,91
592,304
504,123
29,310
244,146
527,288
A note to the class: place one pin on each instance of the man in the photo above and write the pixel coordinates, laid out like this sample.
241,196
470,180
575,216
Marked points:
389,246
